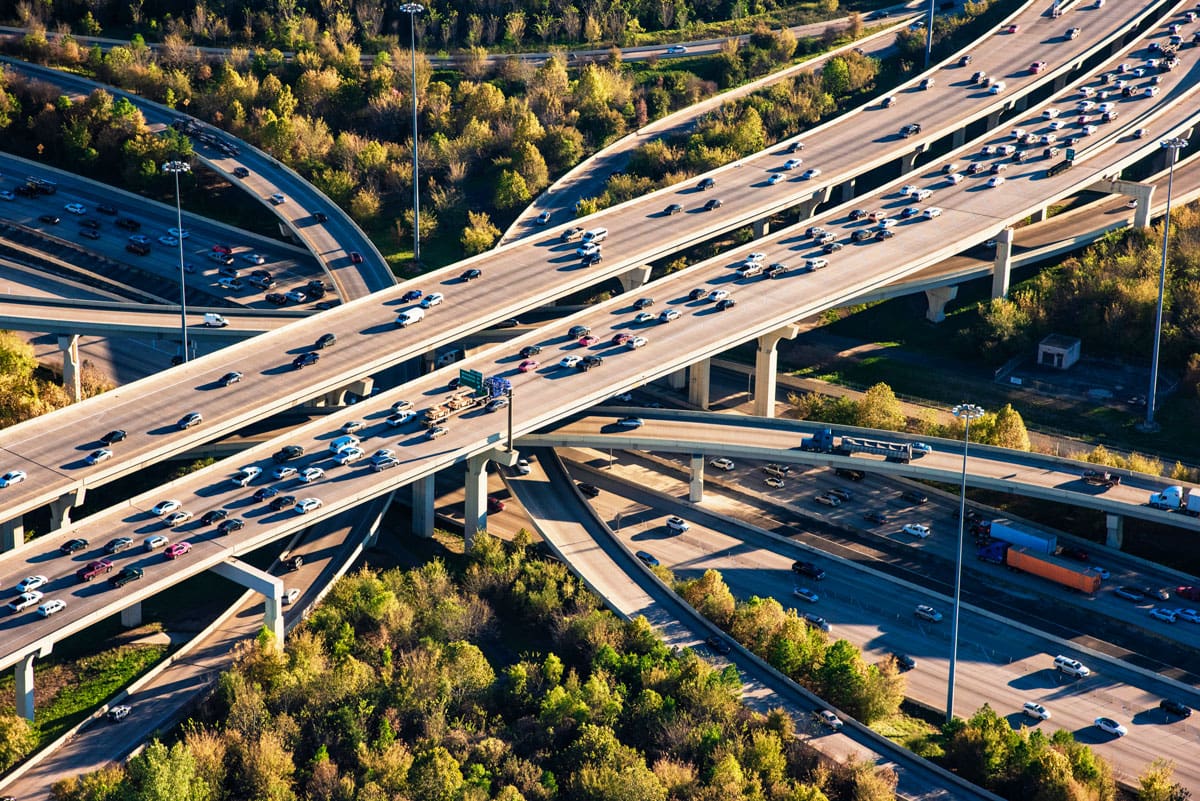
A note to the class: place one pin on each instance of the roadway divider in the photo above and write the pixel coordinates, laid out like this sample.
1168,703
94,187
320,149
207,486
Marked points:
881,744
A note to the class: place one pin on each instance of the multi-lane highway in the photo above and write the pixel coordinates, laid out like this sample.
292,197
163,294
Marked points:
507,289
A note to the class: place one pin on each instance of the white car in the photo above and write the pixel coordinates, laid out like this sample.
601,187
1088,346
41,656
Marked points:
775,178
922,194
30,583
1035,711
348,455
283,471
955,178
155,541
721,463
523,467
677,524
718,295
1050,113
253,258
432,299
677,49
636,342
50,607
296,296
909,189
810,174
828,718
569,361
806,594
1088,130
76,208
166,507
997,88
1111,726
995,180
1163,614
24,601
351,426
792,164
1085,106
169,241
1073,33
931,212
310,474
306,505
1190,615
290,596
277,199
927,612
887,222
1057,125
755,258
916,529
669,315
774,481
246,475
12,477
401,418
118,713
1150,91
182,233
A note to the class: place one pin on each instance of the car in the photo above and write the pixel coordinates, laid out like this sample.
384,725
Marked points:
178,549
587,340
117,545
287,453
827,718
351,426
908,212
588,490
677,524
7,195
721,463
471,274
177,518
1037,66
311,474
699,293
189,420
277,199
718,645
644,317
1129,594
1014,28
792,164
31,583
348,455
805,594
816,621
529,365
306,359
1163,614
713,204
774,481
673,208
646,558
166,507
436,432
912,129
631,422
306,505
432,299
401,418
1110,726
775,178
169,241
965,60
49,219
231,525
542,219
808,569
76,208
932,212
916,529
811,173
523,467
995,181
590,361
1035,710
24,601
1176,708
889,101
118,713
73,546
667,315
927,612
1190,615
775,269
51,607
677,49
98,456
1161,593
747,271
12,477
706,184
1188,592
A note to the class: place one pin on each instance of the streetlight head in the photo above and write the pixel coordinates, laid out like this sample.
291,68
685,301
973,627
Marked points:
1178,143
967,411
413,8
176,167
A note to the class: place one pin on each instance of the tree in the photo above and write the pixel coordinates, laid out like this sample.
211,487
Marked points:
1009,429
435,775
167,774
511,190
364,206
840,677
17,739
1156,785
480,233
880,409
835,76
16,356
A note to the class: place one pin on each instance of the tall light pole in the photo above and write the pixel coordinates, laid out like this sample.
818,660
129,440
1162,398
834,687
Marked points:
1172,146
413,9
175,168
929,35
965,412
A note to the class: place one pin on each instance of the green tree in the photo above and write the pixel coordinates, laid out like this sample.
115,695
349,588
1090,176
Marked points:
1009,430
480,234
1155,783
435,775
835,76
511,190
17,739
840,677
879,408
160,773
16,356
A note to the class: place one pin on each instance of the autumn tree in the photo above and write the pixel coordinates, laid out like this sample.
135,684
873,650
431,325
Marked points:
879,408
1155,783
1008,430
480,234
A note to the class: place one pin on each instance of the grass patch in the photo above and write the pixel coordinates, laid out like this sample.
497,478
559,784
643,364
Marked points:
913,728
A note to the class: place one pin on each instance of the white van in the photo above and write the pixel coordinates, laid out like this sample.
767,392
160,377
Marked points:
595,235
341,443
214,320
1071,667
410,316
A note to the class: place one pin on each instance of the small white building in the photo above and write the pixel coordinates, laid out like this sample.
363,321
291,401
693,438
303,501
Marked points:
1058,351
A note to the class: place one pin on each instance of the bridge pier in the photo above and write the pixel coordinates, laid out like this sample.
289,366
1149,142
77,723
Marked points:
475,505
12,534
636,278
1114,530
937,298
766,364
696,485
908,161
762,227
270,587
1021,104
60,508
849,190
24,681
1002,264
428,362
959,138
1039,215
993,119
69,345
1142,193
131,616
698,383
806,209
422,506
677,379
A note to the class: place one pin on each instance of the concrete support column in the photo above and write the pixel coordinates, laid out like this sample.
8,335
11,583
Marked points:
428,362
1002,264
131,616
698,383
1021,103
908,161
959,138
266,585
636,278
993,120
12,534
1142,193
1039,215
696,486
475,505
849,190
24,675
1114,530
766,362
806,209
677,379
762,227
422,506
60,508
937,298
69,345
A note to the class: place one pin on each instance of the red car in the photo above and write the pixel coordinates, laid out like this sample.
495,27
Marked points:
587,341
527,366
1037,67
177,550
1190,593
494,505
222,249
1012,29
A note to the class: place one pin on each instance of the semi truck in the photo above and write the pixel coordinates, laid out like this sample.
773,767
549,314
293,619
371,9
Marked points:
465,399
1101,478
824,441
1048,567
1175,499
1035,541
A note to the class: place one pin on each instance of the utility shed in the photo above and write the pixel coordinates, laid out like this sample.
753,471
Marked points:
1058,351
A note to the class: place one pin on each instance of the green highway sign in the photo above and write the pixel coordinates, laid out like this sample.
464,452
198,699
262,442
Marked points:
472,379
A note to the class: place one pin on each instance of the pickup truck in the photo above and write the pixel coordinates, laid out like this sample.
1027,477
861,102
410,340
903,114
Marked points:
93,569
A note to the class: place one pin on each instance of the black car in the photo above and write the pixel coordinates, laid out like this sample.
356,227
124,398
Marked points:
706,184
715,203
231,378
808,569
241,172
912,129
858,214
718,645
89,223
727,303
128,223
73,546
320,216
914,496
104,208
215,516
831,247
117,545
775,270
588,490
325,341
287,453
315,288
860,235
853,475
903,661
471,274
283,502
590,361
231,525
306,359
263,493
592,258
328,304
674,208
49,219
886,233
530,350
643,303
116,435
1078,554
875,517
1176,708
571,234
295,563
276,299
698,294
125,576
